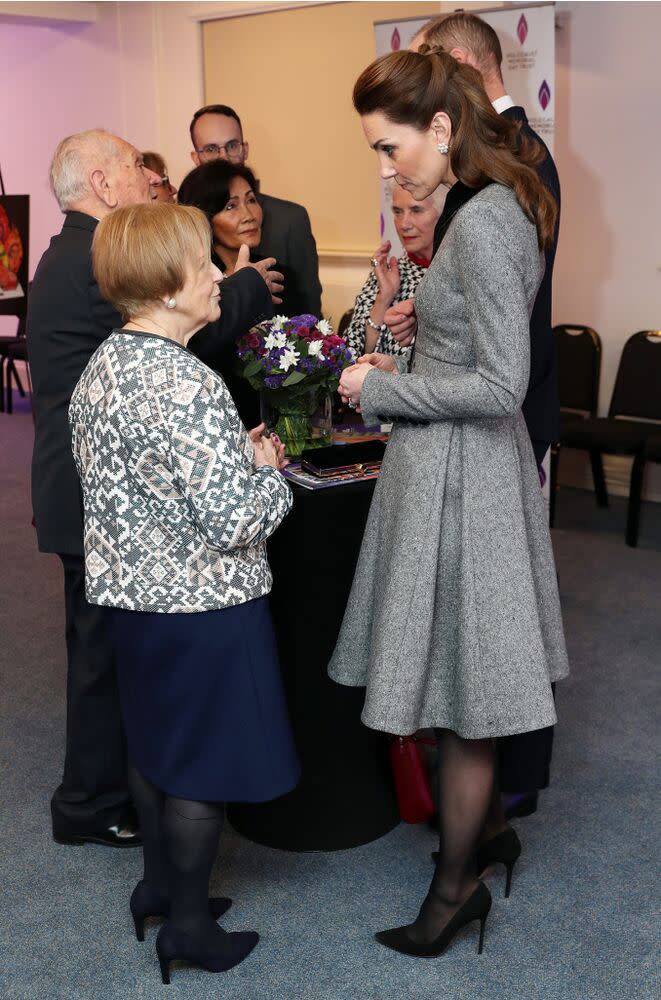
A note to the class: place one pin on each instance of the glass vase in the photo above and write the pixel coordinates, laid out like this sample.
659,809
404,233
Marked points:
302,421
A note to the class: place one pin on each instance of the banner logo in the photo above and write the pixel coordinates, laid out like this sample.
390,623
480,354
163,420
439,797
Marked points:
522,29
544,95
395,41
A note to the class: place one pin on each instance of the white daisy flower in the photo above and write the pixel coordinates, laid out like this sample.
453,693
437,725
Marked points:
278,322
289,359
323,326
275,340
314,349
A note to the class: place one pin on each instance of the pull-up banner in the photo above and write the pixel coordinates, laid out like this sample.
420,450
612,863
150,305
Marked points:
527,37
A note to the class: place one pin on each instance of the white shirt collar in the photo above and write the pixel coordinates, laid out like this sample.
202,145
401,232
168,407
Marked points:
503,103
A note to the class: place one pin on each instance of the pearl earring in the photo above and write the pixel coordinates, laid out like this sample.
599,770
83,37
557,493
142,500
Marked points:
443,147
171,303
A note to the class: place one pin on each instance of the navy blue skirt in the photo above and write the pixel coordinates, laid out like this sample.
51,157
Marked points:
203,704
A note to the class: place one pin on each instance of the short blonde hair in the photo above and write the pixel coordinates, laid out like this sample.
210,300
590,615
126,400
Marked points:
140,253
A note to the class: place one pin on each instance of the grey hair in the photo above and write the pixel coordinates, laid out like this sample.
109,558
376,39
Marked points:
74,157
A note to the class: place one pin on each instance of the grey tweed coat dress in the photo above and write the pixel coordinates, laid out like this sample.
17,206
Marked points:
454,618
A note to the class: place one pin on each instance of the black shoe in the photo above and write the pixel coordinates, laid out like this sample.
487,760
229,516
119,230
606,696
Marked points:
173,945
504,849
476,907
522,805
148,902
123,833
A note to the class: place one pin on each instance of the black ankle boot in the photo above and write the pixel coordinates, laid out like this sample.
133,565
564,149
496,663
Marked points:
476,907
173,944
149,902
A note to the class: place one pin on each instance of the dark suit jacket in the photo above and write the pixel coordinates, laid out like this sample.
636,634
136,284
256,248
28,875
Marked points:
287,236
541,407
67,320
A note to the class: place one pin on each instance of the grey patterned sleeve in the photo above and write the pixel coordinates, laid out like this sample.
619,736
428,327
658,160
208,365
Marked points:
492,274
233,503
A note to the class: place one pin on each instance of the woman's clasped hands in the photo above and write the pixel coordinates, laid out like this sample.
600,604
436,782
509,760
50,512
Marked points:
268,450
351,382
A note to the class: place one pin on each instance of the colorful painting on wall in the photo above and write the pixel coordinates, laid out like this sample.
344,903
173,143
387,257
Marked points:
14,243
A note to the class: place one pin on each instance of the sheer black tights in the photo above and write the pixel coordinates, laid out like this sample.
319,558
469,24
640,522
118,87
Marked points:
180,845
466,777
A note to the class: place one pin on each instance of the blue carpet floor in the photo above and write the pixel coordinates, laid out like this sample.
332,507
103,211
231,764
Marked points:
582,921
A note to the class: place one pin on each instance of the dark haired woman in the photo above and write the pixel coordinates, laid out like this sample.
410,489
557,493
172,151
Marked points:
227,194
454,618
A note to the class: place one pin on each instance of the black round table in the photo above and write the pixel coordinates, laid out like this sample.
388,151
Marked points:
346,794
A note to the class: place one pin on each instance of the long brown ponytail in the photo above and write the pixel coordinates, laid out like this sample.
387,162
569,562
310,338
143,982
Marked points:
409,88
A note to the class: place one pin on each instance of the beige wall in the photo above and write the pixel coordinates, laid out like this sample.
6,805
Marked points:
139,70
290,75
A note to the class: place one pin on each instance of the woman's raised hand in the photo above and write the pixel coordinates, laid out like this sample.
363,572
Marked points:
387,274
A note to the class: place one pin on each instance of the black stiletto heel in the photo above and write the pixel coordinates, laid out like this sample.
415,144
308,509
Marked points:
483,924
476,907
504,849
149,902
174,945
165,969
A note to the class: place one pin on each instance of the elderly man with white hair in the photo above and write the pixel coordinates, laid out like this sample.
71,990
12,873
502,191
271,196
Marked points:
93,173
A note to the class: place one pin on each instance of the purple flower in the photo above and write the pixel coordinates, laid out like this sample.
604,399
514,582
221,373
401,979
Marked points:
305,319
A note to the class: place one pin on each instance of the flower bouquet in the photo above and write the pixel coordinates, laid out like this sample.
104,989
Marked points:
295,364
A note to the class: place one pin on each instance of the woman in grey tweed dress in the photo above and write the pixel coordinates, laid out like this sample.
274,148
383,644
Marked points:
454,619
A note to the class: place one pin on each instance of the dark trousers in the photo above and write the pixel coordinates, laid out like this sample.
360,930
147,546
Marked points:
525,759
94,789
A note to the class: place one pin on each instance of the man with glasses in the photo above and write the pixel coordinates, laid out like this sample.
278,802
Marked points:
286,234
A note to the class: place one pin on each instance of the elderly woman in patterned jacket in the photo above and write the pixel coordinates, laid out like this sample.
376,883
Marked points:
392,280
179,500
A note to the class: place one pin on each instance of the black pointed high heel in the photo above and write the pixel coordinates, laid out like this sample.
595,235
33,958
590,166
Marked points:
504,849
174,945
148,902
476,907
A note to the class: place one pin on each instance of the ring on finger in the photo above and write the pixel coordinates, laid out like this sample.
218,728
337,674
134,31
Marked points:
374,262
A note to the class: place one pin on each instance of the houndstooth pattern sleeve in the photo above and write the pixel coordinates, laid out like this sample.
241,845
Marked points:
410,277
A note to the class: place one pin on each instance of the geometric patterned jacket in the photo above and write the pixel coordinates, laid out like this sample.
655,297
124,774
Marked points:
176,515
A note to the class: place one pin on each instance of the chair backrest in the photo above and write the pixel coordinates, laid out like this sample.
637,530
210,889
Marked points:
637,391
579,367
344,322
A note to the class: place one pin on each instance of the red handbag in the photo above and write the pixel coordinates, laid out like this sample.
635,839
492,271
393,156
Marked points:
412,785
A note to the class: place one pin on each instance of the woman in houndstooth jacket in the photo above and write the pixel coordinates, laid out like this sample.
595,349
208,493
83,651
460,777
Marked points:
392,280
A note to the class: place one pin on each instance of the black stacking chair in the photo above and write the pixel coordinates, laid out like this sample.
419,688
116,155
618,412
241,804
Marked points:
12,349
651,453
344,322
578,350
635,409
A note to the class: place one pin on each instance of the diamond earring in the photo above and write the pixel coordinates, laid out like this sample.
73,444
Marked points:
443,147
171,304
